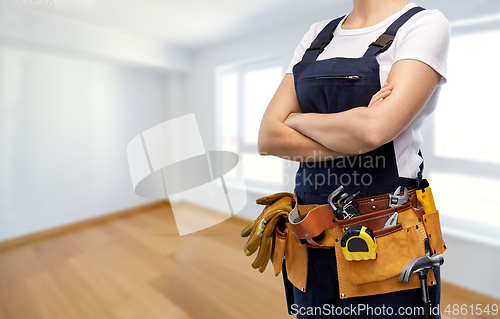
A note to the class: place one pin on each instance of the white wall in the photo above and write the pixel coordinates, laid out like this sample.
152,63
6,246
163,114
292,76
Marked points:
72,95
64,127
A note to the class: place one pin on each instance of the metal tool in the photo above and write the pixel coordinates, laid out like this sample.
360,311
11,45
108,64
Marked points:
424,195
332,196
358,243
421,266
428,250
391,221
294,216
397,199
346,208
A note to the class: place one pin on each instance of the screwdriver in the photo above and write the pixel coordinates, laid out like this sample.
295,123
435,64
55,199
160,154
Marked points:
424,195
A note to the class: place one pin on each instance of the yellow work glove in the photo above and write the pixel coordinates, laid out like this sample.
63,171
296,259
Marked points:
267,200
262,230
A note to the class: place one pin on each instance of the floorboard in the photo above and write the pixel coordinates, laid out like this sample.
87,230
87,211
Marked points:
138,267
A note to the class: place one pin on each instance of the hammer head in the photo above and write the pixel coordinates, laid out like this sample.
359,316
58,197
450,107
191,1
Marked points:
419,264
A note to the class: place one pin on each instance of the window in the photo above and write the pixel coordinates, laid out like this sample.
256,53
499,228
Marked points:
469,108
466,160
243,94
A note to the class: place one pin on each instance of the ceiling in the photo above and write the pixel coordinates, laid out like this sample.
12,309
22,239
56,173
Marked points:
195,23
188,23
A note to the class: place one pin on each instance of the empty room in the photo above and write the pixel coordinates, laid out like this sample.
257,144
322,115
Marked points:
155,160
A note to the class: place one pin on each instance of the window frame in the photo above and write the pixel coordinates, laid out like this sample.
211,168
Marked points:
240,69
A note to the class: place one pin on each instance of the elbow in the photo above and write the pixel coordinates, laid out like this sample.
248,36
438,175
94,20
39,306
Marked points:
262,148
269,141
263,144
373,140
266,148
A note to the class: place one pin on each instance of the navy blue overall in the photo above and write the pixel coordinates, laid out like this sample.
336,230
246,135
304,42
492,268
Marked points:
331,86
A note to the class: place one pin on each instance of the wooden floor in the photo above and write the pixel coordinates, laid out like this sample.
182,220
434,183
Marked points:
138,267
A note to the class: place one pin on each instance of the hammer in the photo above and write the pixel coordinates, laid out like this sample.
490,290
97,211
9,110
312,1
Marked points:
421,266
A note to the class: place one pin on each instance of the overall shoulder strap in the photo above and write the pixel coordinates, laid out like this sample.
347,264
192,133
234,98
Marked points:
385,40
321,41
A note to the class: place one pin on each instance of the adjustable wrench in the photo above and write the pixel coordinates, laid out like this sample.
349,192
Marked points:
397,199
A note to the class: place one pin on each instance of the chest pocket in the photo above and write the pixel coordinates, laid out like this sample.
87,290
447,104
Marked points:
334,94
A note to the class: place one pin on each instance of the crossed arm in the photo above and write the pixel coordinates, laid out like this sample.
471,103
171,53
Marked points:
288,133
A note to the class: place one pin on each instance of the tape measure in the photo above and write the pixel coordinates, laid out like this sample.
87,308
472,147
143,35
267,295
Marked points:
358,243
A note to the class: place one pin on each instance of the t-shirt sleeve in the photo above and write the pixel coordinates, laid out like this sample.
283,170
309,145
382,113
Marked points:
304,44
426,39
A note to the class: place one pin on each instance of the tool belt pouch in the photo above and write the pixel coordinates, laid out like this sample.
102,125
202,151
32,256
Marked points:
433,228
397,245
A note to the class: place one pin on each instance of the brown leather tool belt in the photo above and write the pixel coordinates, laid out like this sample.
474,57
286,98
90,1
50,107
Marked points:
415,234
309,229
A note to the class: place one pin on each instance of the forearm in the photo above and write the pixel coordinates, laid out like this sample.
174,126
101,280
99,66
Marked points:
279,140
347,132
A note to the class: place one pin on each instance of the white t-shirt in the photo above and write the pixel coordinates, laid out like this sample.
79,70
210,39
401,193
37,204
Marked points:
425,37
